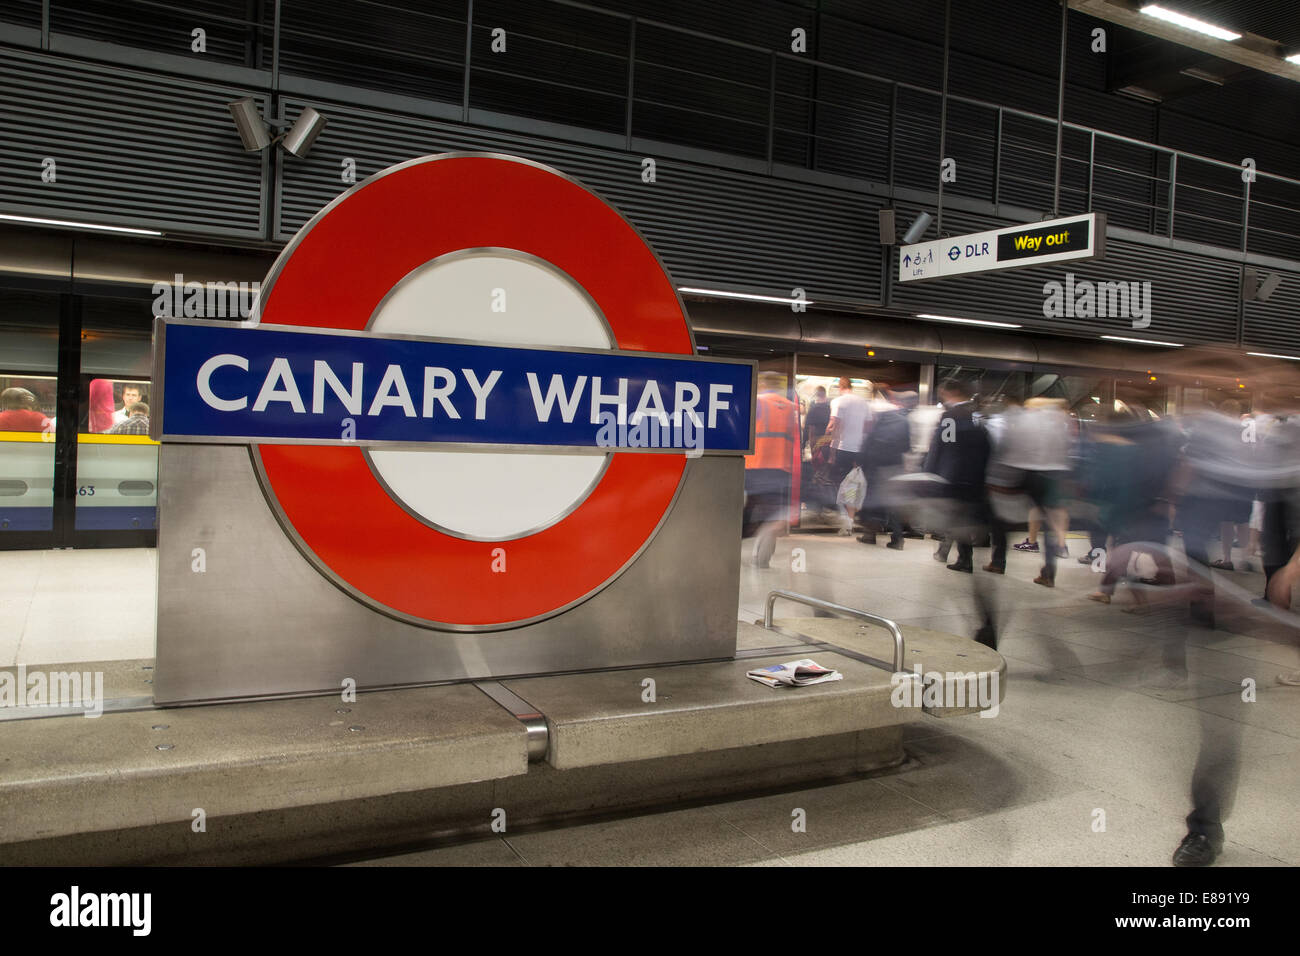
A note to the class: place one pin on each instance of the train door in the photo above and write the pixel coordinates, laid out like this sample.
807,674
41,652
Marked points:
115,493
77,467
29,359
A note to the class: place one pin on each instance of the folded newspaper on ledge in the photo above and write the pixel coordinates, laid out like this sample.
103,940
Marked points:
794,674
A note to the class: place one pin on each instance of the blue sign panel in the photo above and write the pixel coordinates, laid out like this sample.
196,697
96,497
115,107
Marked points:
274,384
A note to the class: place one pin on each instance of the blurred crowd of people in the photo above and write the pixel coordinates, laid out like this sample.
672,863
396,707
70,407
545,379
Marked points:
1224,480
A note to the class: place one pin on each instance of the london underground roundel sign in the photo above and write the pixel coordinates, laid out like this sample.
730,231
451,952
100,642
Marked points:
470,393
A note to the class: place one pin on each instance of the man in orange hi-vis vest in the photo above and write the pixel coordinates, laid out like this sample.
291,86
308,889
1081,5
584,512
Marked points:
772,472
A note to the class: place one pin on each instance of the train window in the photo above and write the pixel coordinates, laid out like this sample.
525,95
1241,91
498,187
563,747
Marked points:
116,407
117,462
27,464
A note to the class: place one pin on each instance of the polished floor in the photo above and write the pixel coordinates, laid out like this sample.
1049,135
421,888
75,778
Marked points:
1087,763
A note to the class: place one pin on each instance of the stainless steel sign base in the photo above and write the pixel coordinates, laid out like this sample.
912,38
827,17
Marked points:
242,613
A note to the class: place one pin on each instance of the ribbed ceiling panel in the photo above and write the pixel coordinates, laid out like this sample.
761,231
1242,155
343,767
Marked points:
25,13
1193,299
129,148
234,31
712,227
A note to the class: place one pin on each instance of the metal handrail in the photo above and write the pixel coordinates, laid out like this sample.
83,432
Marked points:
899,652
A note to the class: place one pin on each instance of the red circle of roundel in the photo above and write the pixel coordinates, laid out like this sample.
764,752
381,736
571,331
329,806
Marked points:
334,274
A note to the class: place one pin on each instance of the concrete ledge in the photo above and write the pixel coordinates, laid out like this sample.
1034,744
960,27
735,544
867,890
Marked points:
289,780
70,775
601,718
940,657
362,828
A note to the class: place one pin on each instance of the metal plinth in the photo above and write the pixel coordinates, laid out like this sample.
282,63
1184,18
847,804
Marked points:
260,621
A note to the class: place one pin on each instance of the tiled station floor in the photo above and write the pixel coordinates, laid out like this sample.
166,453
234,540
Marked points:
1093,728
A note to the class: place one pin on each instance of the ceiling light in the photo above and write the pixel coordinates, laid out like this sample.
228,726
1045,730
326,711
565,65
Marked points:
1289,358
1121,338
1140,93
1294,58
81,225
1196,73
742,295
1190,23
950,318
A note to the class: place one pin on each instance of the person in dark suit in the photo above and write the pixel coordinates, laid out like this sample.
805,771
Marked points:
959,454
890,439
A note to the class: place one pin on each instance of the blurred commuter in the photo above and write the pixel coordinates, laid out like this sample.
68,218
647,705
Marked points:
817,419
772,472
886,446
850,418
21,412
1216,483
1031,460
1128,471
959,454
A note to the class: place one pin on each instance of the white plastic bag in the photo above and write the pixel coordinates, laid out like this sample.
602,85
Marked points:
853,490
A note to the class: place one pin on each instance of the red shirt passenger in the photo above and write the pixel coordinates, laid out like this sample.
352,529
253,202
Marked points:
19,412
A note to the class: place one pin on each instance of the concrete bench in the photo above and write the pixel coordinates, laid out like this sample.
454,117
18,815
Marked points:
68,775
274,777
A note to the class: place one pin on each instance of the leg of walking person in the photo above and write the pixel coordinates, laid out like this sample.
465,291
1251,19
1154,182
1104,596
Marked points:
1039,487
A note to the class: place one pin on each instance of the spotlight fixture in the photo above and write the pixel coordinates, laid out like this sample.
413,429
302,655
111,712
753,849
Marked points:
303,133
917,229
1253,289
254,132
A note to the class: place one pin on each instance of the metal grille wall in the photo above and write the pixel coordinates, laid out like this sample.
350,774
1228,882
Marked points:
1272,326
127,148
712,227
1193,299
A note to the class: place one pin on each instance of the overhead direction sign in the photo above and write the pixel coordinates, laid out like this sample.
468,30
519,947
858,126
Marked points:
1055,240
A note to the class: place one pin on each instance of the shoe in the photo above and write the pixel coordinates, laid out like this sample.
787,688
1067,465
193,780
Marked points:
1195,850
1026,546
994,569
1100,597
844,532
940,557
1291,680
914,534
1222,565
867,538
961,567
1087,558
1062,552
895,546
1045,581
